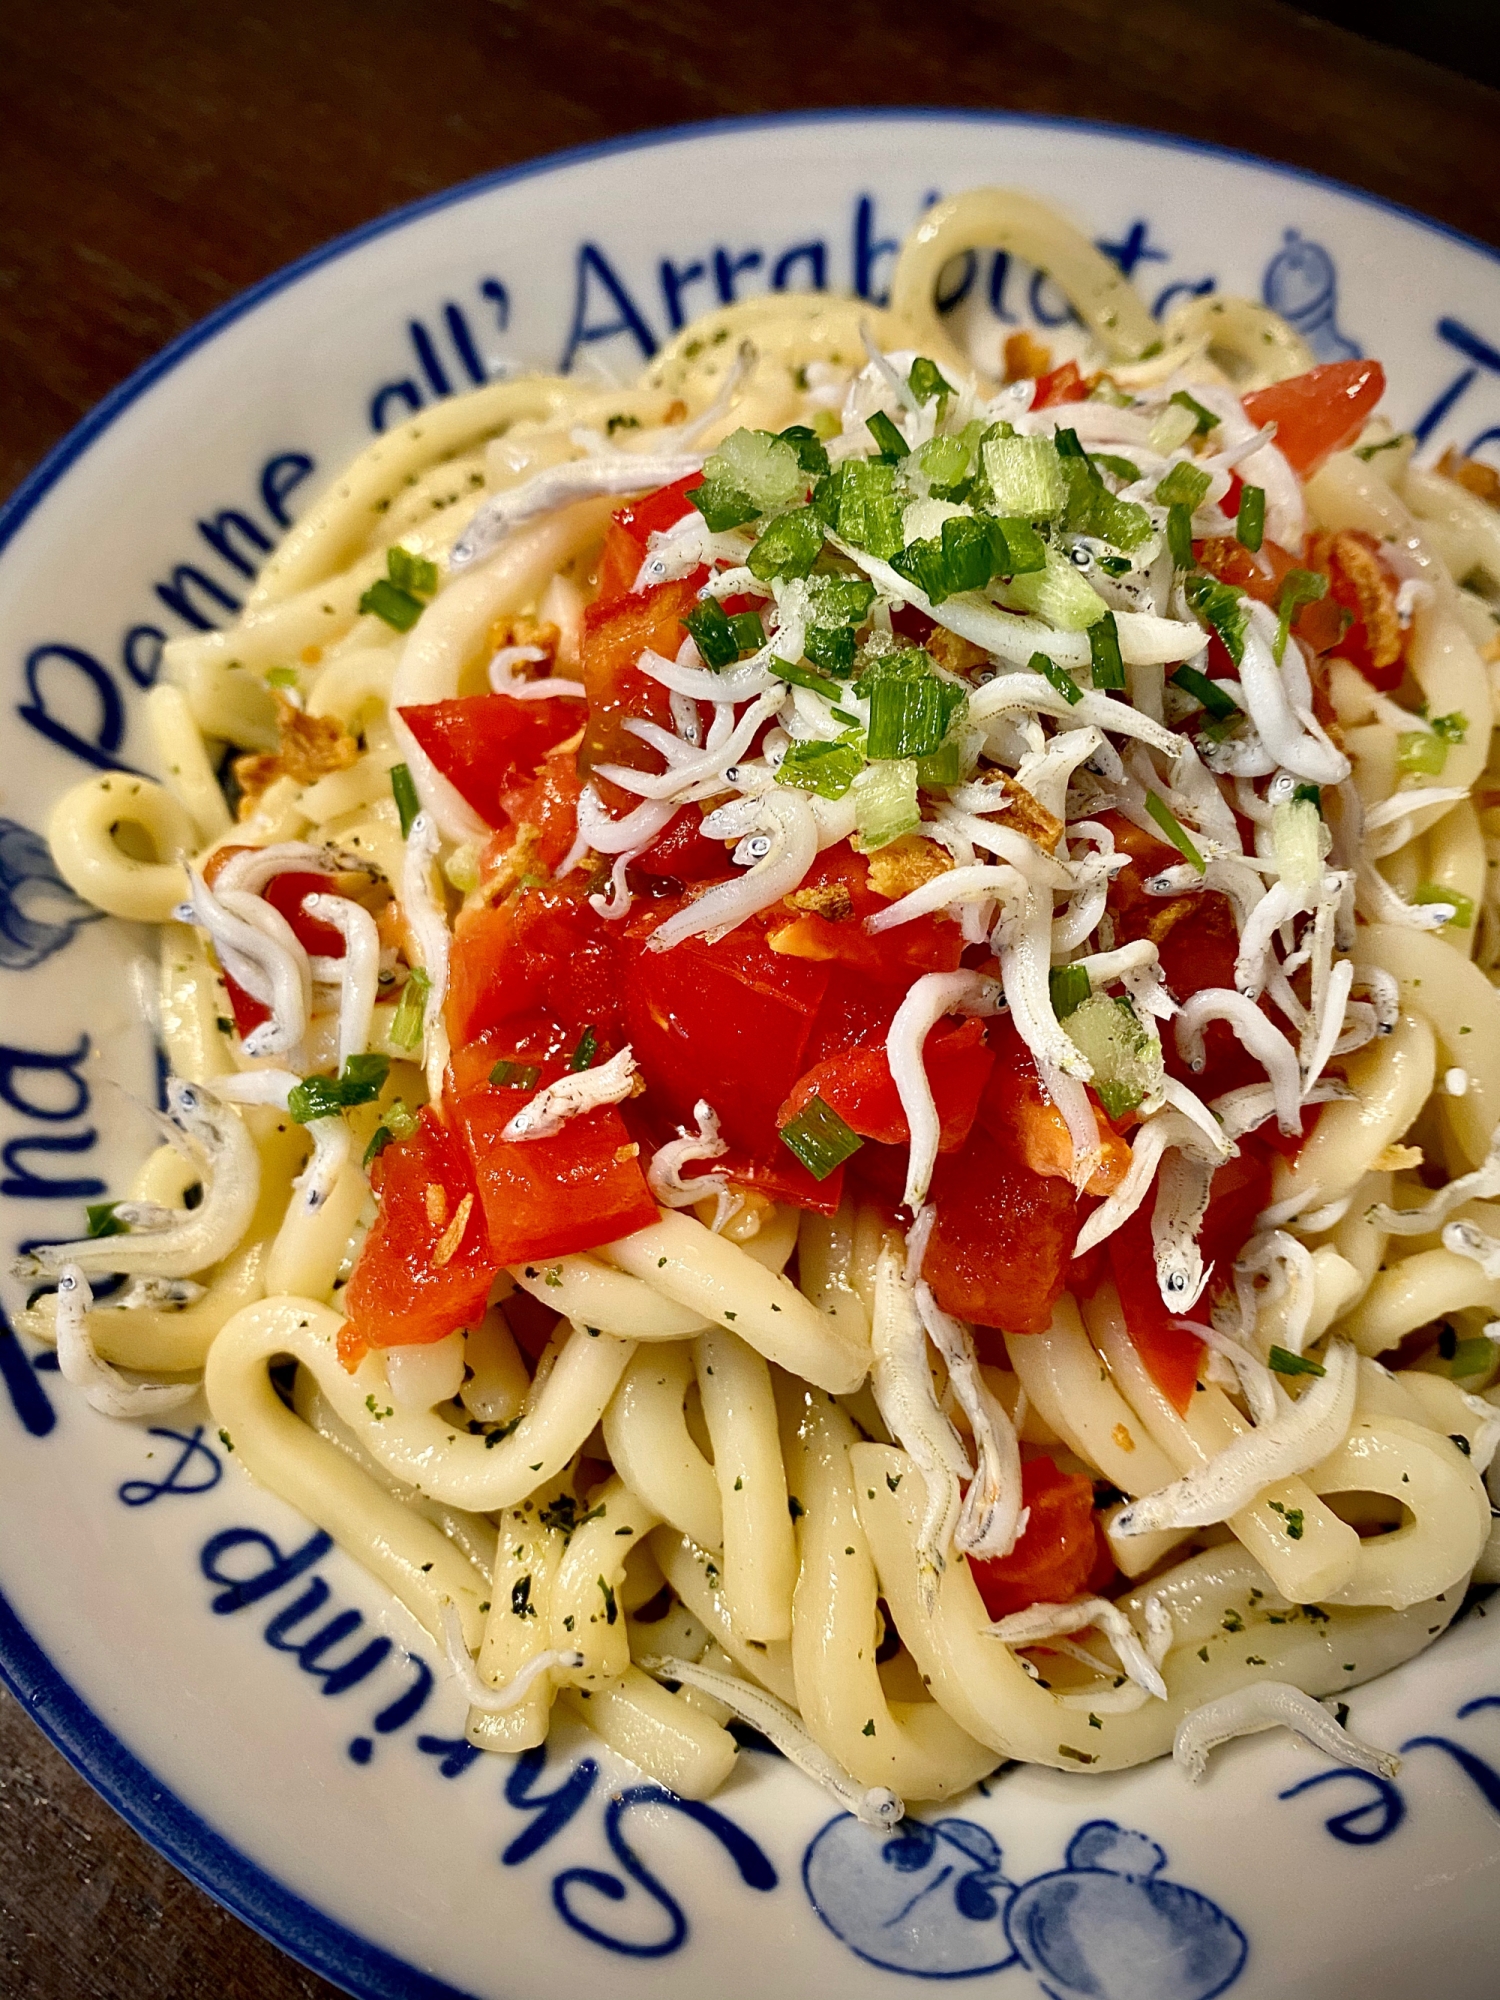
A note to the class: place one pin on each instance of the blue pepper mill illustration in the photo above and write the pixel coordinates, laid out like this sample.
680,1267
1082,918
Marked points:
1301,283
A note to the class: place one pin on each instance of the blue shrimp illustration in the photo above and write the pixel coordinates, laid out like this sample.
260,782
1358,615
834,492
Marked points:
932,1900
1301,283
38,911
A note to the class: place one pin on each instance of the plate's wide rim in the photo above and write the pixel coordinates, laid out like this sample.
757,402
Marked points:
210,1861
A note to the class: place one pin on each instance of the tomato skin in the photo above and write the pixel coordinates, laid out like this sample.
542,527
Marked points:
1057,1552
682,852
1015,1110
857,1084
395,1296
1003,1238
728,1022
926,944
550,1197
542,948
629,531
1318,413
615,633
285,893
543,810
481,743
1060,385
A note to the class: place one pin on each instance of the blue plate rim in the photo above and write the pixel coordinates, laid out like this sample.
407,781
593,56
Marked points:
142,1800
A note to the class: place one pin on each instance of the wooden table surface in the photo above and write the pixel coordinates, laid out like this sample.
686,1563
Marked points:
156,158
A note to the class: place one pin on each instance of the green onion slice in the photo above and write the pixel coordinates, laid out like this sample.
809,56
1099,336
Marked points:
819,1138
404,792
1174,830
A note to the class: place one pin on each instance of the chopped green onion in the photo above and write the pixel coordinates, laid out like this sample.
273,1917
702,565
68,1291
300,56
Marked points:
1204,421
828,769
947,463
910,718
893,447
1068,445
722,505
1170,429
1173,828
1104,652
410,572
1313,794
926,380
1060,678
1472,1357
1220,705
404,792
406,1026
788,546
397,608
830,647
840,600
885,802
1300,586
908,663
801,677
1183,486
1452,728
1124,469
820,1138
1180,536
713,634
1092,509
1068,986
399,1122
587,1049
921,563
843,715
1297,842
968,553
749,632
1058,594
361,1082
103,1220
1123,1051
766,469
1420,753
514,1075
808,446
1019,549
1250,522
858,499
1287,1363
1024,476
1463,906
1223,607
282,677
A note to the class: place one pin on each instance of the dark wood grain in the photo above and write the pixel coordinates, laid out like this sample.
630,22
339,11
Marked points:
157,158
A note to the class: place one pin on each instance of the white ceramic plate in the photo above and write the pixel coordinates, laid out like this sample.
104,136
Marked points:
243,1694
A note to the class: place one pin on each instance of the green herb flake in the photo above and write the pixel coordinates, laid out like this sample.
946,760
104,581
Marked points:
869,1728
611,1609
521,1605
360,1082
104,1221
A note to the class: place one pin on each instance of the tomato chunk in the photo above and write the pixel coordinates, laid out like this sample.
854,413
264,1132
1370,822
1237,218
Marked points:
543,947
412,1282
1003,1238
629,532
826,925
1057,1553
682,852
1015,1109
579,1188
1318,413
482,742
857,1084
728,1022
615,634
1060,385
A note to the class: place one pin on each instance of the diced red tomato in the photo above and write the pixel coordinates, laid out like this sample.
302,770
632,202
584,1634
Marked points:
857,1084
1058,1551
579,1188
1060,385
728,1022
1320,412
285,893
1000,1248
482,743
399,1293
615,633
543,948
629,531
1014,1108
682,852
543,811
927,944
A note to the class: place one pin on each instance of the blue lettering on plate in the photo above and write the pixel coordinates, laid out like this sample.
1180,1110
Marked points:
1385,1807
196,1469
1479,354
932,1900
38,911
755,1868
